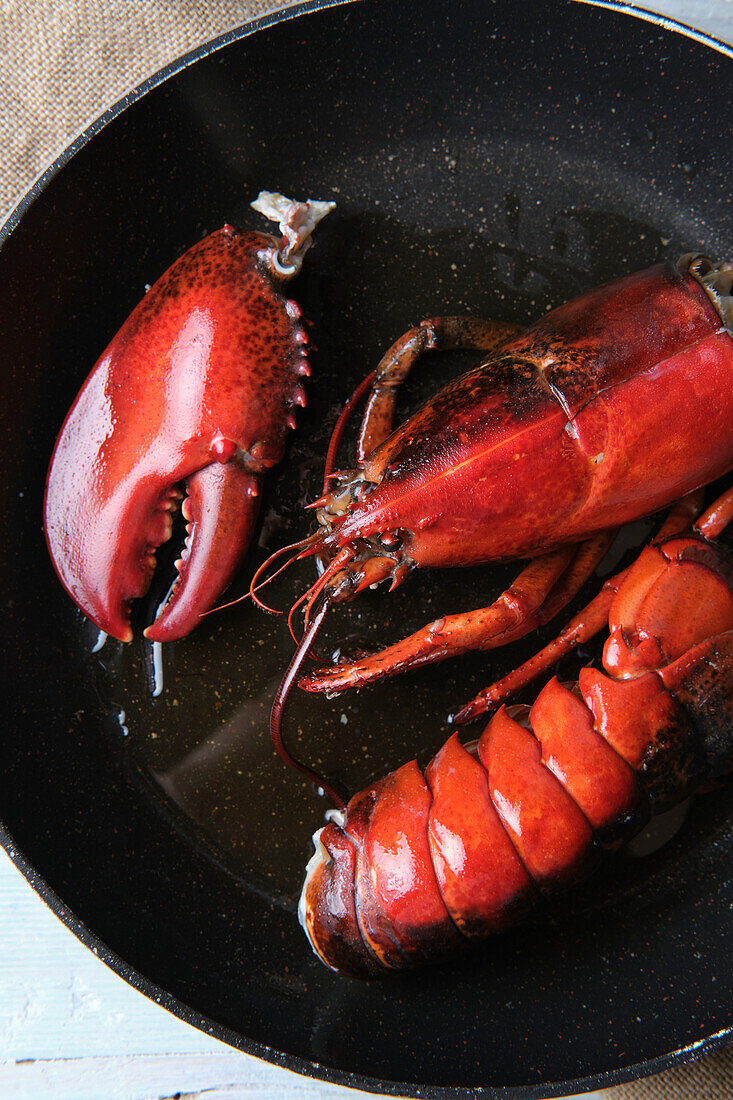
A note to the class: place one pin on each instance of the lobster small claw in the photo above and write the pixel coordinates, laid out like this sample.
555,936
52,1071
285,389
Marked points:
197,389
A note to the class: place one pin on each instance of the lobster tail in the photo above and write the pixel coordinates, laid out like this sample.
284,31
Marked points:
420,864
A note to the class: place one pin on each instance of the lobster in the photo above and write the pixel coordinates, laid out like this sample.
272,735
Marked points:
606,409
422,864
198,386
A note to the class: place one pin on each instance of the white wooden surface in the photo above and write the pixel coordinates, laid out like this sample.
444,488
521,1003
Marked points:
70,1029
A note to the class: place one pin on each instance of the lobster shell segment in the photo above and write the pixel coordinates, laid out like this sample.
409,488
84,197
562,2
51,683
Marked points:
482,880
327,908
199,386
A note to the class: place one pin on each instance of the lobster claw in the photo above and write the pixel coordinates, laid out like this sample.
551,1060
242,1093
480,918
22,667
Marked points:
195,393
221,509
108,540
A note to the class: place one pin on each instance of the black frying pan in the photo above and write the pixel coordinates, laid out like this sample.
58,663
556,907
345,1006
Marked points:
490,157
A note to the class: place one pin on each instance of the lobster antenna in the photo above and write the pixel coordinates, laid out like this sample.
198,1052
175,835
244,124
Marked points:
254,587
344,555
283,692
340,426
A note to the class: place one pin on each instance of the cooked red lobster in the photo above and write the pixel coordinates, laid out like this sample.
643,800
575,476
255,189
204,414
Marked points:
606,409
421,864
199,386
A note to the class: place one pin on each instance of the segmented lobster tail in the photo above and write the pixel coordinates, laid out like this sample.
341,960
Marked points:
421,863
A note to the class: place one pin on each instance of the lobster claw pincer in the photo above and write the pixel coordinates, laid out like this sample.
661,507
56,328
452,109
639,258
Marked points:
196,391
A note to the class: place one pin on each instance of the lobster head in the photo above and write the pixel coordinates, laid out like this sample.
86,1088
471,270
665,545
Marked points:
350,563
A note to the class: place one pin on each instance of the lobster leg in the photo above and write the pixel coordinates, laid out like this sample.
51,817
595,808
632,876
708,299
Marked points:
432,334
543,587
593,618
717,516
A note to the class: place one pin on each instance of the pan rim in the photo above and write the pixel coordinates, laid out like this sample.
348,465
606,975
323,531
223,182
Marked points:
107,955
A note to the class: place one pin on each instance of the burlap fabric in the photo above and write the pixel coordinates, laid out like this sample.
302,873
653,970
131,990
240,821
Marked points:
62,63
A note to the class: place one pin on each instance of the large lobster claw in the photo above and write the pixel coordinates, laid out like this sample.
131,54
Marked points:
198,387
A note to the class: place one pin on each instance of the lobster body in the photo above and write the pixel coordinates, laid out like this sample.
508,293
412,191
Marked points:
420,864
607,409
574,426
200,385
